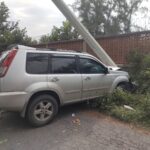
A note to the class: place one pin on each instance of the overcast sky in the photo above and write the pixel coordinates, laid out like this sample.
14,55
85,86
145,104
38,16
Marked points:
39,16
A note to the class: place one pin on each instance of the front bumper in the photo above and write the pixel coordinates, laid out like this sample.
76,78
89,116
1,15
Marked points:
12,101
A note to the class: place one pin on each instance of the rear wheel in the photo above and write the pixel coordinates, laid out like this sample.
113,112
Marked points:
42,110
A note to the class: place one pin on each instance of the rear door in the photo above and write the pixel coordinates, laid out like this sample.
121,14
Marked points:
64,76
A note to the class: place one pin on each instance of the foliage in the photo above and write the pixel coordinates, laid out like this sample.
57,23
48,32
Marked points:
105,17
114,105
65,32
10,33
139,70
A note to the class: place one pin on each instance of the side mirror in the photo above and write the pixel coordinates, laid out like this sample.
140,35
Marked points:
106,71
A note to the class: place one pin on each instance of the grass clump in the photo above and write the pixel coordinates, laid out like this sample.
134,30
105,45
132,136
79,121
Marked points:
115,103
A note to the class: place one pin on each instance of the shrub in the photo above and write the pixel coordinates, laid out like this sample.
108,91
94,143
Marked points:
114,105
125,115
139,70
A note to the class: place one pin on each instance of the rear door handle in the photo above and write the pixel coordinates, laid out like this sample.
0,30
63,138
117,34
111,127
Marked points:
55,79
88,78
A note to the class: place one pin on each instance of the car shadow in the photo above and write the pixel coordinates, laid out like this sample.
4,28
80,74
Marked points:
9,120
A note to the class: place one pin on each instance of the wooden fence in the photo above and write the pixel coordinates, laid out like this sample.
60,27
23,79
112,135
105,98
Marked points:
117,46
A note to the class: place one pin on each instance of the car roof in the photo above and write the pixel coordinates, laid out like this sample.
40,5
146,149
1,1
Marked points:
48,50
52,51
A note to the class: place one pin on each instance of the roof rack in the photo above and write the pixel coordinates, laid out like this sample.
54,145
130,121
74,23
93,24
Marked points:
58,50
46,49
22,47
62,50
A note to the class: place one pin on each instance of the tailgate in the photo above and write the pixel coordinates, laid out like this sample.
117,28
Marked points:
3,55
0,84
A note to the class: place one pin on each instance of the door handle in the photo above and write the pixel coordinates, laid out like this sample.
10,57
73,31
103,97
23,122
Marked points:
55,79
88,78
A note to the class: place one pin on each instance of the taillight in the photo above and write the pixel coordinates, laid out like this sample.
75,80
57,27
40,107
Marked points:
7,62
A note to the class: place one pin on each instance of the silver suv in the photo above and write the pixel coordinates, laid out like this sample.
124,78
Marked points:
36,82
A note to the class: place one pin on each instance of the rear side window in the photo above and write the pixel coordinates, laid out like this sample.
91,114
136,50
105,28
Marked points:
64,65
37,63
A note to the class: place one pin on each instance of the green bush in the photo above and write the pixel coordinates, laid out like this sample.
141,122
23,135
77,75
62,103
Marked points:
114,105
126,115
139,70
118,98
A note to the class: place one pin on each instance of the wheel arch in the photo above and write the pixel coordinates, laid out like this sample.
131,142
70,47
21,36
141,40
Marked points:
122,82
36,94
119,81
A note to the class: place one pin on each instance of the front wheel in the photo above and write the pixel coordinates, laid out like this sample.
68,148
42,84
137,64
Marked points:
42,110
126,86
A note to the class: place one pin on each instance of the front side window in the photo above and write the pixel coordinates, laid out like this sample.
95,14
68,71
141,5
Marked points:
89,66
64,65
37,63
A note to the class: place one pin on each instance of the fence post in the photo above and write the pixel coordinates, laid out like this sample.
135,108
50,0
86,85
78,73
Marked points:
84,46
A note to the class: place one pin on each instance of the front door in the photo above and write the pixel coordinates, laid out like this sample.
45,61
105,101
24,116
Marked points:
94,78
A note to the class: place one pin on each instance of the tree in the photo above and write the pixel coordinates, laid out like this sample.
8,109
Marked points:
106,17
65,32
10,32
139,70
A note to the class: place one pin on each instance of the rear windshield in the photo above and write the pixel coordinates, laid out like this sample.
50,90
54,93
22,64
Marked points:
3,55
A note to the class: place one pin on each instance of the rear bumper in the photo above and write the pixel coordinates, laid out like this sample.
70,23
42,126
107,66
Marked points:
12,101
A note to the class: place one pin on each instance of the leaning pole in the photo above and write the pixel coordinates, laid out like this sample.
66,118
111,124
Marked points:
94,45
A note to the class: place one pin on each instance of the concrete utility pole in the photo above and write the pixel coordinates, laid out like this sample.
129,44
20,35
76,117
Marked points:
94,45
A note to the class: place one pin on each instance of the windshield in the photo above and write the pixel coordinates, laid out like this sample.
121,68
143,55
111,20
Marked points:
3,55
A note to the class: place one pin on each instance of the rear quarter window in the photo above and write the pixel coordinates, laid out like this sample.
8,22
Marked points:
37,63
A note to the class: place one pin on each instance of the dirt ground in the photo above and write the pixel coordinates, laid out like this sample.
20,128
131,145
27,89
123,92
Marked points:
76,127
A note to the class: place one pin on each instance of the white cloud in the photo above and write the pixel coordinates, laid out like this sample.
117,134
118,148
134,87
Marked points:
37,16
40,16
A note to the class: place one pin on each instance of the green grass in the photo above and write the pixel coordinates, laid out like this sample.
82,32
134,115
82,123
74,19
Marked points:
114,106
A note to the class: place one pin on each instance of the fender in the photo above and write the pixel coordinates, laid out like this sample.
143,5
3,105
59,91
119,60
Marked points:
39,87
118,80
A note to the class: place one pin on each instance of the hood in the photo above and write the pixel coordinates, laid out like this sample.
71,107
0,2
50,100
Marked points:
113,68
118,72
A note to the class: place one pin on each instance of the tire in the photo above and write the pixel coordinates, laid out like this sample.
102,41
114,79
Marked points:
124,86
42,110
